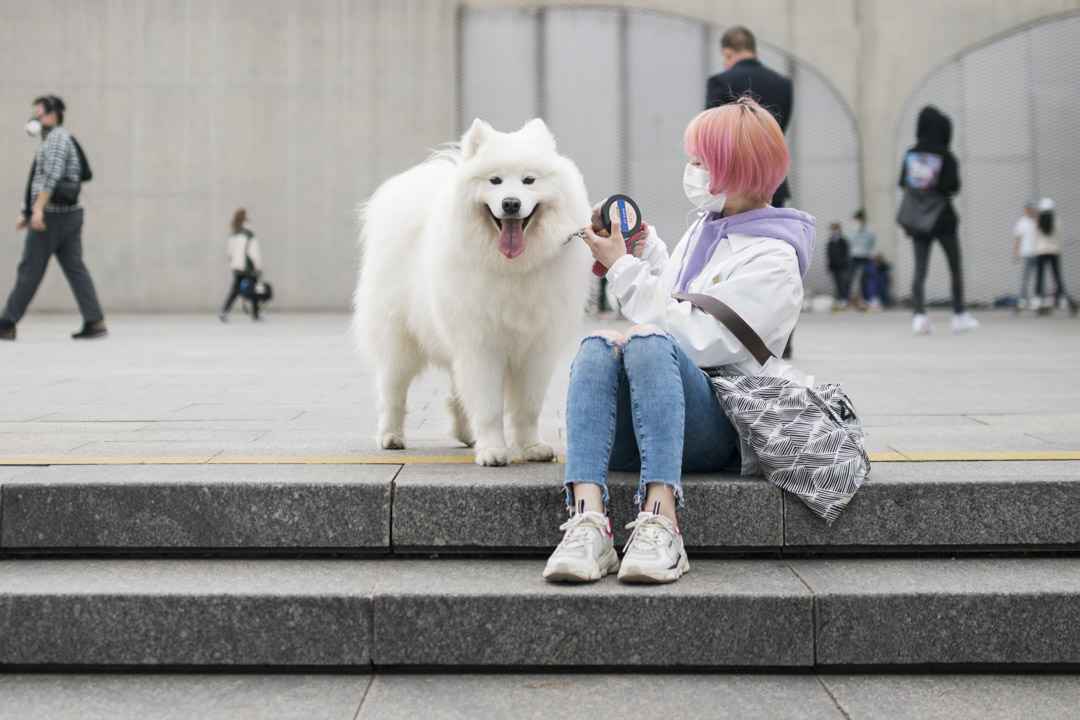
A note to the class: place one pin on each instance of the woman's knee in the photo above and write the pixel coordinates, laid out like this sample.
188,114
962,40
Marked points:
643,330
610,338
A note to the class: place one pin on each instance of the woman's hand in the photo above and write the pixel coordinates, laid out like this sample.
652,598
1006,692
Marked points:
639,247
606,250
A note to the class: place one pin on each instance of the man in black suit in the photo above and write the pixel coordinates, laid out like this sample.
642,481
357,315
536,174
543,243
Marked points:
744,72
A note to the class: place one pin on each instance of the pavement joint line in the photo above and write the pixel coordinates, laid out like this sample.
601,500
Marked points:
1002,456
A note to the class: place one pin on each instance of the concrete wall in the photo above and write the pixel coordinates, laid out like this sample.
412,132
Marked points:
189,109
296,110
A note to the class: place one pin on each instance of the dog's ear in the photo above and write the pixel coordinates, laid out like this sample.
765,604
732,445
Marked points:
538,129
476,136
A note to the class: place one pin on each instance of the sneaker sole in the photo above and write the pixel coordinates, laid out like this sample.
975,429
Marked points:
608,563
634,574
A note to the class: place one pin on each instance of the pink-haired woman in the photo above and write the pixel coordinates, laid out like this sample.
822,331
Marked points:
639,401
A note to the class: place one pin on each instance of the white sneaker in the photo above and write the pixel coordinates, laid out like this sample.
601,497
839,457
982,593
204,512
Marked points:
586,551
654,553
920,325
963,322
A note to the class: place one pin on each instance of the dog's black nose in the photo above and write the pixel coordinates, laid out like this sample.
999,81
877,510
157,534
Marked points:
511,205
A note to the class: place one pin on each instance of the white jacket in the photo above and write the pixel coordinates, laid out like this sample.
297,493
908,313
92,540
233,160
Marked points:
241,248
758,277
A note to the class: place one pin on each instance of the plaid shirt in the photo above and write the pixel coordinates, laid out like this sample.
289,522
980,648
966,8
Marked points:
56,158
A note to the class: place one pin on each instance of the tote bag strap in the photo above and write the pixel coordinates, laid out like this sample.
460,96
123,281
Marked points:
732,321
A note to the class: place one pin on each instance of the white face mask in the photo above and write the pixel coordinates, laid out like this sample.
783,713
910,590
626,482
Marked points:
33,128
696,183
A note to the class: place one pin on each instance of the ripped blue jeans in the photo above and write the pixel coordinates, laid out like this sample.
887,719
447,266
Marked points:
642,406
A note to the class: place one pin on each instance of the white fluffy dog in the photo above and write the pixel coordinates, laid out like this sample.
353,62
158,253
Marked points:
466,265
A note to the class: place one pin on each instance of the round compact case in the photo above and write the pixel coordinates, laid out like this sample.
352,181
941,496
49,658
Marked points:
617,211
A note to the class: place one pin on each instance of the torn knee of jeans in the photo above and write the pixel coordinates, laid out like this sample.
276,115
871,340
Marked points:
644,331
611,338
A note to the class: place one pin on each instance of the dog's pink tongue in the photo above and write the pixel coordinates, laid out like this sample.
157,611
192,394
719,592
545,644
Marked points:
512,237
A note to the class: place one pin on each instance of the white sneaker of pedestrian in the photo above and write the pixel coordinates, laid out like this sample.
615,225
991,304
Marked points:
920,325
654,553
586,551
963,322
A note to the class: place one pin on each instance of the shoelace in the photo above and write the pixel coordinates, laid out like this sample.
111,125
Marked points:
649,533
579,531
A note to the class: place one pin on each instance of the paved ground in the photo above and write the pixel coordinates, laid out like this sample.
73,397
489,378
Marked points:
190,386
585,696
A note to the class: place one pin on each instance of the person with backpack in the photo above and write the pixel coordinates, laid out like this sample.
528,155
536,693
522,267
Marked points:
246,263
930,176
53,209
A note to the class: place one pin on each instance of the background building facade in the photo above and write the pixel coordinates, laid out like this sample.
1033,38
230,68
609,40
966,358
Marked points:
297,109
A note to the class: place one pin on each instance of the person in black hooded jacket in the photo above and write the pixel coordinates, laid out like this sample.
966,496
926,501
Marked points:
930,168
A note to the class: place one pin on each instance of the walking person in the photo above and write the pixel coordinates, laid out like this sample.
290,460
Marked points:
864,253
1024,252
839,256
930,176
53,209
1048,255
245,260
639,401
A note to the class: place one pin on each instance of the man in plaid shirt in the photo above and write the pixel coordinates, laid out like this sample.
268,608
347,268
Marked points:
55,225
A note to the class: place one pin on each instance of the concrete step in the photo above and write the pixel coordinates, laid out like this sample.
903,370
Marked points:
222,614
461,508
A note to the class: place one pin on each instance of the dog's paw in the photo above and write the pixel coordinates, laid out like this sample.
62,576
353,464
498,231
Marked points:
390,441
540,452
492,456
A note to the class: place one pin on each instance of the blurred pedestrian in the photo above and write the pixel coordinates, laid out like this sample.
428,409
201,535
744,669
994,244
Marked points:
245,260
1048,254
1024,251
864,254
930,176
839,256
53,208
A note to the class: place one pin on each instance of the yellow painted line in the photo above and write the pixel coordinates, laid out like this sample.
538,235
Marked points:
883,457
252,460
887,457
991,456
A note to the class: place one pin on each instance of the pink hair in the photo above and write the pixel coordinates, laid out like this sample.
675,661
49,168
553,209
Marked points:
743,148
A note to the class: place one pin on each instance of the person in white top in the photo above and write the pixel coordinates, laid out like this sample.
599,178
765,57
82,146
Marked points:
1024,251
245,260
639,400
1048,255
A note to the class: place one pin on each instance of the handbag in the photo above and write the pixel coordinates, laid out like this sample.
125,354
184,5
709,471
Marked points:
920,209
67,191
805,440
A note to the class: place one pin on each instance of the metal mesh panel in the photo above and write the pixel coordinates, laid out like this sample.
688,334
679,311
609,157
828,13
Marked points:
1014,107
617,88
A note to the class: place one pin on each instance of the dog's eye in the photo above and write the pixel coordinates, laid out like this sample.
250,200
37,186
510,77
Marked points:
496,180
529,180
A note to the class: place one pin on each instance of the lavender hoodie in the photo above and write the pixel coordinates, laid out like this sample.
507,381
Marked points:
792,226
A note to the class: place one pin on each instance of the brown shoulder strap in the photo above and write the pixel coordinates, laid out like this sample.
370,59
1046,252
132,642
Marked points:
732,321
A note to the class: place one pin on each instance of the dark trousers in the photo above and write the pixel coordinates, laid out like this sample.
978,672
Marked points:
1054,263
62,237
922,260
234,291
840,279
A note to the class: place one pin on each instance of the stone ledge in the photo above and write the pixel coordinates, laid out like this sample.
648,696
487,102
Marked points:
950,505
501,613
186,612
945,611
446,507
198,507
